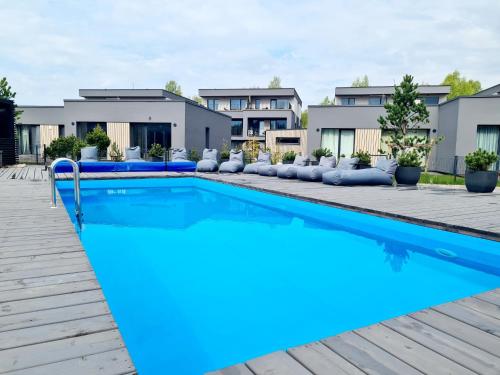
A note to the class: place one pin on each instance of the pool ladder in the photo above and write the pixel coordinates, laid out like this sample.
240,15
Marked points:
76,178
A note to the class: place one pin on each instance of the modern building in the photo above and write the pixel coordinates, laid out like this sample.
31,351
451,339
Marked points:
254,111
131,117
8,151
351,124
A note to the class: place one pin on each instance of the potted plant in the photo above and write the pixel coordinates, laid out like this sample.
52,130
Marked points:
224,151
478,177
156,152
288,157
99,138
193,155
364,159
319,152
409,168
115,153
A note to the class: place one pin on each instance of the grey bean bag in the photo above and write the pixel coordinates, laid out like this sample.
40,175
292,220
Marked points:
89,154
133,154
315,172
290,170
209,161
179,155
380,175
264,158
268,170
235,163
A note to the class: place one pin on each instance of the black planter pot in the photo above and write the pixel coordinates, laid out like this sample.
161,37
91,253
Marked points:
408,175
363,166
481,181
156,158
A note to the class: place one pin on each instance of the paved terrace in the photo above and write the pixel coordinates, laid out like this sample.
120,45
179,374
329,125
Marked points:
54,318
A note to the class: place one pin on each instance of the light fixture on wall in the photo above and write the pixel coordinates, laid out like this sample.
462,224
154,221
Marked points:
174,124
73,123
317,129
149,118
434,130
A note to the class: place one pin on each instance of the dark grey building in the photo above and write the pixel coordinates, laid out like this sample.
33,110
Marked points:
131,117
253,111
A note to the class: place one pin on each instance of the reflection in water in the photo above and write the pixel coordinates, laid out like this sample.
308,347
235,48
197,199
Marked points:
396,255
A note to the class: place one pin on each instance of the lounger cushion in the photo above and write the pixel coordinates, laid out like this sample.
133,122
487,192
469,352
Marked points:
235,163
301,161
179,155
254,167
287,171
209,161
348,163
268,170
387,165
369,176
133,154
89,154
210,154
312,172
264,157
327,161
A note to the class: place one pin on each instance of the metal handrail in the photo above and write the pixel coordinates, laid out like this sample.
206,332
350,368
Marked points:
76,178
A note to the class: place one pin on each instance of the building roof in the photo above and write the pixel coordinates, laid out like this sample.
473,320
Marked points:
206,93
389,90
490,91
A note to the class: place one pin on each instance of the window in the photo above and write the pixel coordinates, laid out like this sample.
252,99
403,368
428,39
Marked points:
28,139
145,134
237,104
257,103
339,141
431,100
278,124
280,104
213,104
376,100
347,101
237,127
61,131
288,140
82,128
255,127
207,137
488,138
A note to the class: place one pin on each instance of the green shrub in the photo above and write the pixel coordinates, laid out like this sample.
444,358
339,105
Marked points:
363,156
115,153
409,159
63,147
77,147
156,151
480,160
225,151
319,152
193,155
98,137
289,156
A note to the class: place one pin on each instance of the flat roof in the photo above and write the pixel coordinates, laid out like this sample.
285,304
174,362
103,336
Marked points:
288,91
389,90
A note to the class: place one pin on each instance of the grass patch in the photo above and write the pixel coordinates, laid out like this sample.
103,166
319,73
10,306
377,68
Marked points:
442,179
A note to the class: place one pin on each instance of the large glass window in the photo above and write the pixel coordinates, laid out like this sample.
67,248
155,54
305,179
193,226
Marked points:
238,104
237,127
488,138
28,139
257,103
431,100
339,141
82,128
278,124
280,104
288,140
348,101
376,100
145,134
255,127
213,104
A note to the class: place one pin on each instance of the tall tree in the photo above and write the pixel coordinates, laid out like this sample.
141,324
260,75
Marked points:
361,82
197,99
327,101
6,92
275,83
304,119
173,87
460,86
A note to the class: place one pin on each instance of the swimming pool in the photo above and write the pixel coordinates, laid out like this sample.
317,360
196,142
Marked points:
201,275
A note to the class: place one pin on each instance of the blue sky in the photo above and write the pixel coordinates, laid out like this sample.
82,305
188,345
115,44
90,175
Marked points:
50,49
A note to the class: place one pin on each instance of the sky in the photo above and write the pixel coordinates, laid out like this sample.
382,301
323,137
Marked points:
50,49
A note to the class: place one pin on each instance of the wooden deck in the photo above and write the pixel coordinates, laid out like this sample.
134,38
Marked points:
54,318
462,337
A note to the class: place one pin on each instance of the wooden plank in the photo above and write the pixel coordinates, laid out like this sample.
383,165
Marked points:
414,354
484,307
18,267
46,280
366,356
108,363
36,251
321,360
55,315
448,346
239,369
472,317
277,363
43,257
460,330
49,271
491,297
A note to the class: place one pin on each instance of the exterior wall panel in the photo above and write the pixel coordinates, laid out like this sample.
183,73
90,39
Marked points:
368,140
119,132
272,135
47,134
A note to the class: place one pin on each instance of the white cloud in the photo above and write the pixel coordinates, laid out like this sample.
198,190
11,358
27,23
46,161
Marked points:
50,49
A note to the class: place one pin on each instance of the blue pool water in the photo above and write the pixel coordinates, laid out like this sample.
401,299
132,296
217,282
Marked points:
201,275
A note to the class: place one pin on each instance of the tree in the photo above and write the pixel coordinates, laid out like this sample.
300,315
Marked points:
460,86
173,87
361,82
98,137
197,99
304,119
327,101
405,115
7,93
275,83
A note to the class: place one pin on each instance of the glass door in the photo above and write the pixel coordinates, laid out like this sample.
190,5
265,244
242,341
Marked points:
145,134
